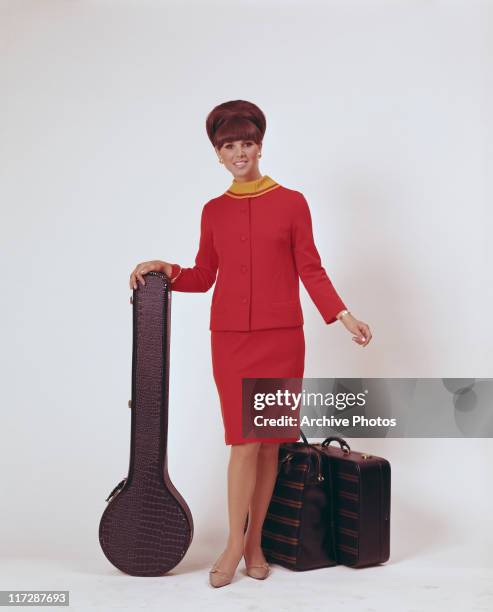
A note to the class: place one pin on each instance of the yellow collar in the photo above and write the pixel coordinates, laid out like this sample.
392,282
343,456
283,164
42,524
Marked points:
251,189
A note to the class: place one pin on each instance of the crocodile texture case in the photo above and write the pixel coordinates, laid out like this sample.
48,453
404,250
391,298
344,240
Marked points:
147,526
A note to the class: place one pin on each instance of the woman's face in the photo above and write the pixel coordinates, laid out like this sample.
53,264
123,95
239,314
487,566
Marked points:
240,157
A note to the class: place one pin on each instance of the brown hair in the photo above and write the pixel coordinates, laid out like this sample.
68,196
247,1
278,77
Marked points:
235,120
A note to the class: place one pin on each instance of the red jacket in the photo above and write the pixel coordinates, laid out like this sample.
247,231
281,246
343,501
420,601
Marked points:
258,235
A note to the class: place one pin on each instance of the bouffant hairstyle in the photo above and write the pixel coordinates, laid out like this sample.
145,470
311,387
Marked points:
235,120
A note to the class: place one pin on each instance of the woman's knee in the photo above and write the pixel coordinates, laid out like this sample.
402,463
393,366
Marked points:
245,449
269,448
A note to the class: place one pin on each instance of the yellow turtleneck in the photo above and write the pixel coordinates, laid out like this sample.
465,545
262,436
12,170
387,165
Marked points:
249,189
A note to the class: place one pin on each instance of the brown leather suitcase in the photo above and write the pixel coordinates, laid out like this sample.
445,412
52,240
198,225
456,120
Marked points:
361,498
329,506
297,529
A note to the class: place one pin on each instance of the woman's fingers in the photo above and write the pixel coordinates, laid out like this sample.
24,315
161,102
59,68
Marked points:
138,275
365,332
134,278
141,270
144,268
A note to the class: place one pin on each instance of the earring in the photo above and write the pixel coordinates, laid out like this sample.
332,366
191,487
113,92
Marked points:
220,161
259,155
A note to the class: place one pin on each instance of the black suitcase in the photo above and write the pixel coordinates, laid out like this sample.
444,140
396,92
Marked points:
298,528
361,504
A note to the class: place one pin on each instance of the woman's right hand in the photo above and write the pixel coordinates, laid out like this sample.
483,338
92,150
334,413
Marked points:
148,266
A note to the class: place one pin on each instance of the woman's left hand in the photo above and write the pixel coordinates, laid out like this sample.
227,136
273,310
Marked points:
361,330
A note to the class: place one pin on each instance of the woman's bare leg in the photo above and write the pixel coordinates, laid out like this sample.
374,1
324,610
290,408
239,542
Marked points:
242,470
264,485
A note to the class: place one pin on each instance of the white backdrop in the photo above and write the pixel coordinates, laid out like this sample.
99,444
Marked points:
380,113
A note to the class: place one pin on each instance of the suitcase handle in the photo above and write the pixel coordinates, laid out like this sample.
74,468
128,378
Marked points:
343,444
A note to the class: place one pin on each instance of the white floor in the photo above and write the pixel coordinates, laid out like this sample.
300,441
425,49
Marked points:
403,585
441,543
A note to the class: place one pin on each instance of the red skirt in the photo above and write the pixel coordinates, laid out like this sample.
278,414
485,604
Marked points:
263,353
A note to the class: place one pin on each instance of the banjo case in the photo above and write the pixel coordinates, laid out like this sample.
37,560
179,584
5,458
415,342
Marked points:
147,527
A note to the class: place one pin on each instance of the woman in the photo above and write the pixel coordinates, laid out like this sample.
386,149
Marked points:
258,235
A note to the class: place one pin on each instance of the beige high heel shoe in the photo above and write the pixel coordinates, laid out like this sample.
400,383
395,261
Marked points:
218,577
260,571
